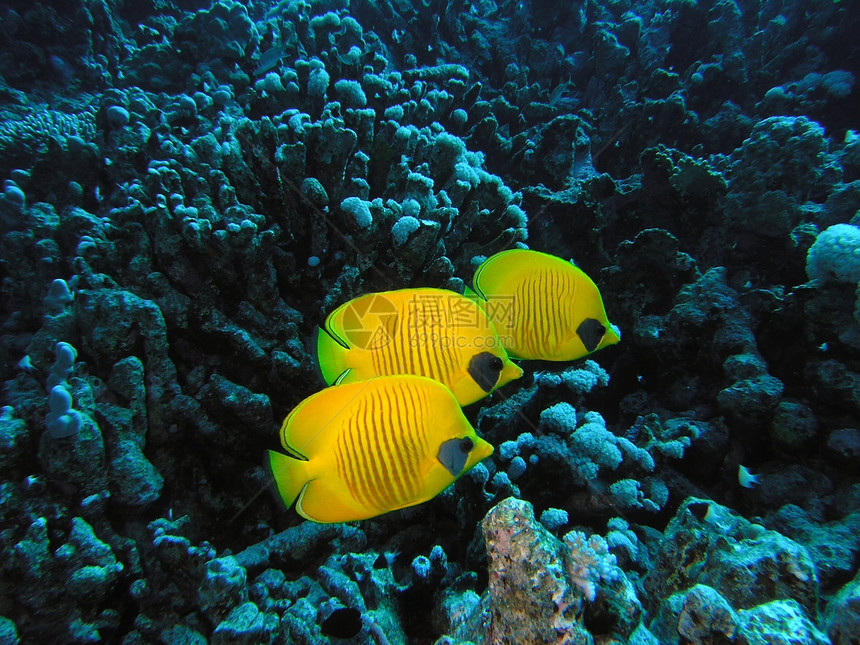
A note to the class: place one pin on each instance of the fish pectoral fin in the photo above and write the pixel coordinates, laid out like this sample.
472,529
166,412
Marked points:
321,502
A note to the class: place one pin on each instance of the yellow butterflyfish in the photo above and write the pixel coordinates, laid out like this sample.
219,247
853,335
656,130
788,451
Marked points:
542,307
367,448
427,332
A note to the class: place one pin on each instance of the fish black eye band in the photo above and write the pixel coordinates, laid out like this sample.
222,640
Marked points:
591,332
485,369
454,453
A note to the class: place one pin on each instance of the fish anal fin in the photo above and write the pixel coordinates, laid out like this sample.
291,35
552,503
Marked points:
323,502
288,475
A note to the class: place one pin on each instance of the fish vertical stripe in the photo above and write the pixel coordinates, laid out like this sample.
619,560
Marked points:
372,431
406,359
416,430
386,465
540,303
545,289
397,432
516,325
403,441
388,352
370,449
414,404
432,333
422,416
359,438
388,445
419,355
408,430
554,304
347,476
528,326
421,339
538,318
551,298
376,357
448,357
562,311
353,458
356,436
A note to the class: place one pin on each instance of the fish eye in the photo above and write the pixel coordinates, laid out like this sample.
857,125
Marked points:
496,364
466,444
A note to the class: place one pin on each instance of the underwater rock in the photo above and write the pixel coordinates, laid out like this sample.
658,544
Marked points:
705,531
537,588
246,625
531,599
833,546
774,620
699,613
843,614
223,589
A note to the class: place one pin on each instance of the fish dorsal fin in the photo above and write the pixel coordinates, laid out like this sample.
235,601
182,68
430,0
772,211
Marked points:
333,325
356,322
497,269
308,428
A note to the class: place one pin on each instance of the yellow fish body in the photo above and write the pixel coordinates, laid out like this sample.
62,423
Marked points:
367,448
427,332
542,306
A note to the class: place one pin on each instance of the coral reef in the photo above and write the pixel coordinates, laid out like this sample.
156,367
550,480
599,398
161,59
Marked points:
189,188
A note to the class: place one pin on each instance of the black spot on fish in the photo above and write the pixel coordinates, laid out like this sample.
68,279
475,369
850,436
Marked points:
591,332
454,453
485,369
342,623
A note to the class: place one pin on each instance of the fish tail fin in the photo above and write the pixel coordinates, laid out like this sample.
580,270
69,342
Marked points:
332,356
289,475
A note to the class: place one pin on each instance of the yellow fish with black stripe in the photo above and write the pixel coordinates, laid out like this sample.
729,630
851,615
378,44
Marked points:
427,332
542,307
367,448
